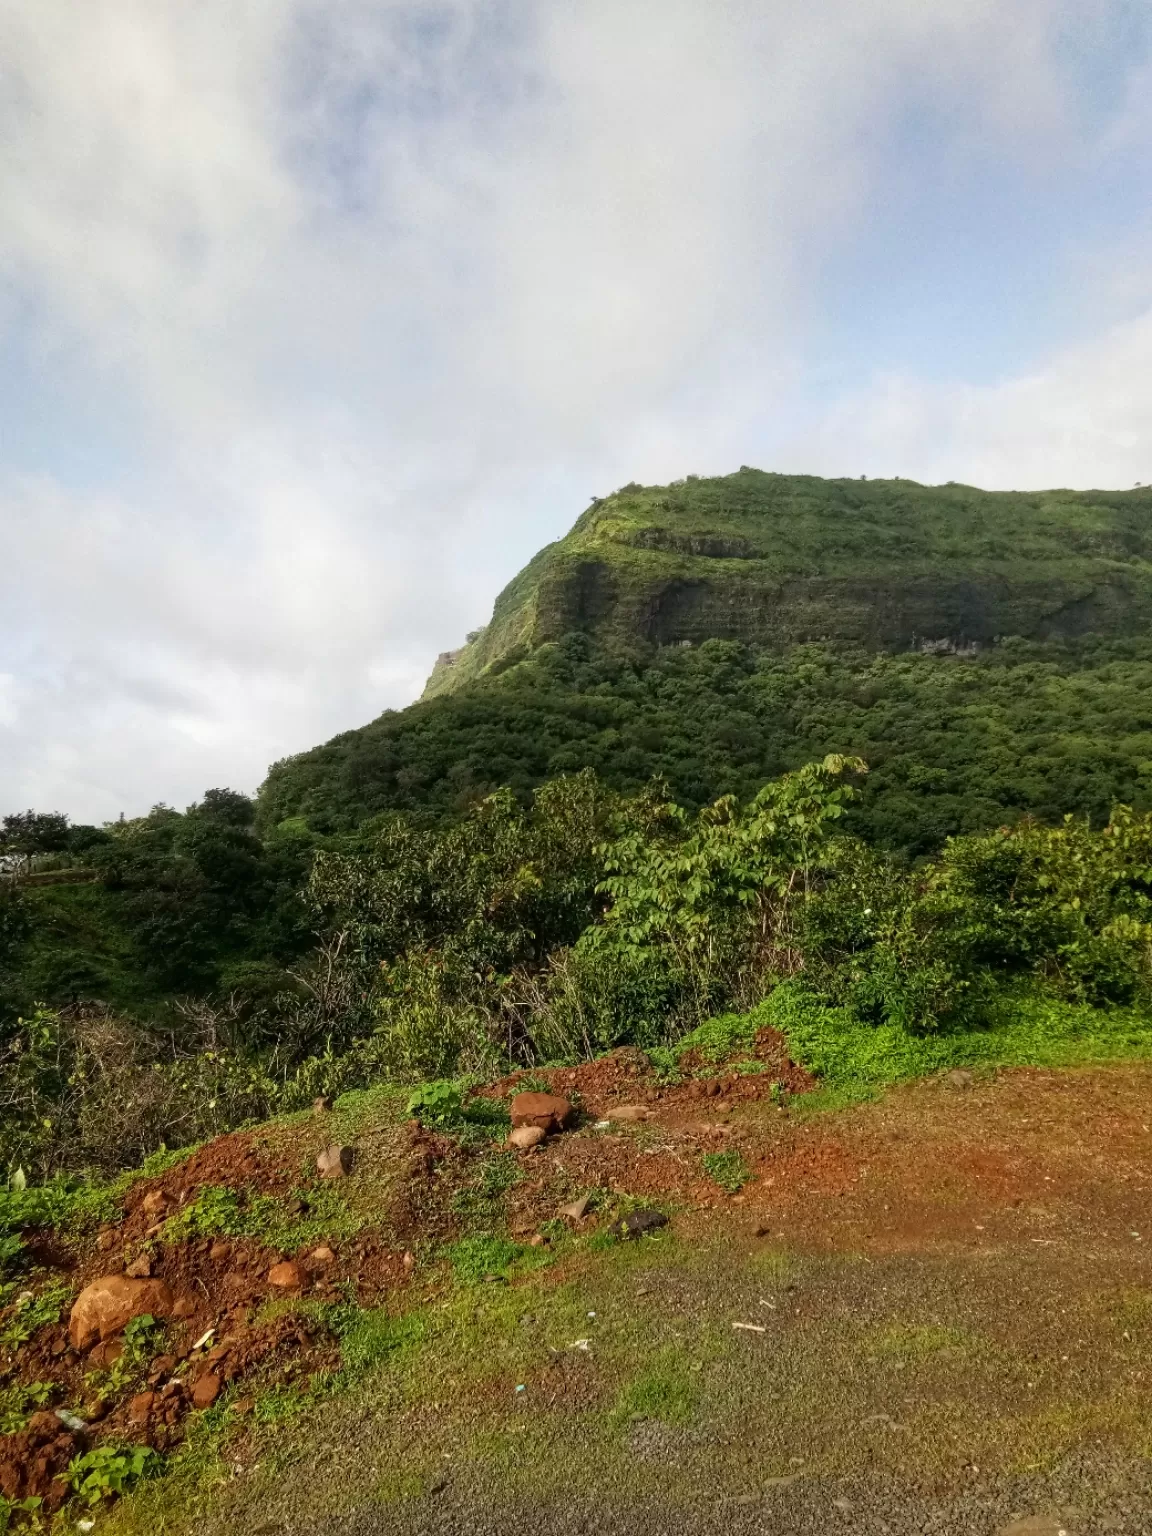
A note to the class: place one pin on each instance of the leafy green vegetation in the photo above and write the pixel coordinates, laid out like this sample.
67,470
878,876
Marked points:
728,1169
108,1470
634,806
30,1313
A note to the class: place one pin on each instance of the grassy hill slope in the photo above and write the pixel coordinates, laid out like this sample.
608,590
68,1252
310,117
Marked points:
989,653
775,560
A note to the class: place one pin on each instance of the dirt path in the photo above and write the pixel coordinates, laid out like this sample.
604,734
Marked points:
945,1326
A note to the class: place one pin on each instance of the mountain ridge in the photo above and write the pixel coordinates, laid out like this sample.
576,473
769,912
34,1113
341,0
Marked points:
774,560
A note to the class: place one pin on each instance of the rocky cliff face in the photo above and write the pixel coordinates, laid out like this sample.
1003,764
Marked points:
773,560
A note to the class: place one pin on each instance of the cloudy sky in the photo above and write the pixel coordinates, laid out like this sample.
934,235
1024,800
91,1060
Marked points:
319,317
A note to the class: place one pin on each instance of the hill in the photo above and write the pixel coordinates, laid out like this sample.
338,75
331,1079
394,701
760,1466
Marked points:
989,654
776,560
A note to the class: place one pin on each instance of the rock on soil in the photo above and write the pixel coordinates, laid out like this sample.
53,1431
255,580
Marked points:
206,1390
637,1223
525,1137
547,1110
578,1208
108,1305
628,1113
334,1162
287,1277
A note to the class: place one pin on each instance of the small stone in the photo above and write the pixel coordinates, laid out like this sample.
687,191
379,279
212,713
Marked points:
578,1208
206,1390
42,1426
525,1137
629,1113
322,1105
164,1365
547,1110
220,1252
959,1078
286,1276
537,1240
140,1408
322,1255
243,1405
155,1203
637,1223
335,1162
109,1304
409,1261
141,1268
185,1306
102,1356
106,1239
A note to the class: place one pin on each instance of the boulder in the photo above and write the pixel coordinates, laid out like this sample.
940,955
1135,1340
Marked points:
547,1110
525,1137
109,1304
286,1276
334,1162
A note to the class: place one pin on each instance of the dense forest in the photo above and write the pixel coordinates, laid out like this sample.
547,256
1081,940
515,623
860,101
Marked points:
832,783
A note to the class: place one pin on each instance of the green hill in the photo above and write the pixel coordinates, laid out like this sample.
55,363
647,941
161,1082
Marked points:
776,560
989,653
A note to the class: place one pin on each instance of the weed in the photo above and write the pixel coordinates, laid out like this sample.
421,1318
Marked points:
12,1253
18,1401
221,1212
31,1313
728,1169
141,1342
109,1470
438,1103
9,1507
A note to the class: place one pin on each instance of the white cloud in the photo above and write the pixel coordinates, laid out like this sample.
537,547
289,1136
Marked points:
1081,419
387,288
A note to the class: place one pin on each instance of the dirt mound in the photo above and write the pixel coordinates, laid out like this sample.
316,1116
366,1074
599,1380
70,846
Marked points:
625,1076
33,1462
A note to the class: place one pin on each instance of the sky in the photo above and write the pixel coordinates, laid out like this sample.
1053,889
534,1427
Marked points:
319,317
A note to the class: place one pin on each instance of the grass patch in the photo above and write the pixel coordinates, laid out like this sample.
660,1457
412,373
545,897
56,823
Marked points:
854,1060
728,1169
477,1258
665,1390
218,1211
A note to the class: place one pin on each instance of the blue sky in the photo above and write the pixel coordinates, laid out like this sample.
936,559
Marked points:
318,317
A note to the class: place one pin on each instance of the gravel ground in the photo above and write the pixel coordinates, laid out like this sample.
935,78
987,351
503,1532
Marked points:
1090,1495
